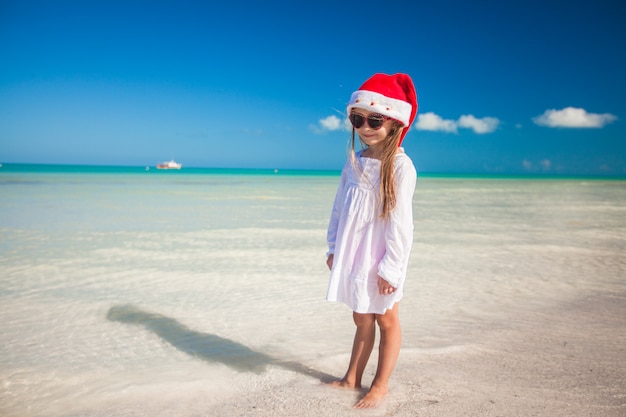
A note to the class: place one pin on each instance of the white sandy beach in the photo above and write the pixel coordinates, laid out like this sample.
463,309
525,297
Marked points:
564,361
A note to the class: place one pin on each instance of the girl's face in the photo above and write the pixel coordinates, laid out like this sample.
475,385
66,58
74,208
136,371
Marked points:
372,137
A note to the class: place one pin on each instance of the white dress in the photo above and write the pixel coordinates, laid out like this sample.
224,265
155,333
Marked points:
364,245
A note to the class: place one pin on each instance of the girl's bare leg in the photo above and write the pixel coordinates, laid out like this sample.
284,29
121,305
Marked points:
388,352
361,350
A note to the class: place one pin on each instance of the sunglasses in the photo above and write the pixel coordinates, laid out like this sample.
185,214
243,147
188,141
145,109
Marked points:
374,120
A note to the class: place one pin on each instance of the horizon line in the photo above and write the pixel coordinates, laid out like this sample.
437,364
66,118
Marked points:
58,167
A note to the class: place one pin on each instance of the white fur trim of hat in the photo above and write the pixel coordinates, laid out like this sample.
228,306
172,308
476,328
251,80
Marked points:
399,110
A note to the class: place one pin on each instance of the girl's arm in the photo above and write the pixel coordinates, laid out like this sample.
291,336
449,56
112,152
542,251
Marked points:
399,233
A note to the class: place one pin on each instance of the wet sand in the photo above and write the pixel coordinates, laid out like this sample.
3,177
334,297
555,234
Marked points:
565,361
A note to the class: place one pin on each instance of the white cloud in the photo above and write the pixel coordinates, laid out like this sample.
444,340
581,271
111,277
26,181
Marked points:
480,126
433,122
331,123
544,165
573,117
527,164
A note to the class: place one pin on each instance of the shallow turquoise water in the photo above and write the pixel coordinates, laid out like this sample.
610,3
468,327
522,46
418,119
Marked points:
142,288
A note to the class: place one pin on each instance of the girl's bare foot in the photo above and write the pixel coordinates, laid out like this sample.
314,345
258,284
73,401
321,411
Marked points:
372,399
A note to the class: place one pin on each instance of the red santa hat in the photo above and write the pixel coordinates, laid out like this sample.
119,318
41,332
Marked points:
390,95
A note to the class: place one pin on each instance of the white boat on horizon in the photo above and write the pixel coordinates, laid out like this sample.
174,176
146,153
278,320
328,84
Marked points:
169,165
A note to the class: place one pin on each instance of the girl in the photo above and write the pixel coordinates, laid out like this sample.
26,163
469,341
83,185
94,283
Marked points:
371,227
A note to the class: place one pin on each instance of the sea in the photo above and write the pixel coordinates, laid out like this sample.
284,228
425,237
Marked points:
143,292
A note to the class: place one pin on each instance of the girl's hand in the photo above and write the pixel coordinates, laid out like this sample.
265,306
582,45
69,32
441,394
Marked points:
385,288
329,261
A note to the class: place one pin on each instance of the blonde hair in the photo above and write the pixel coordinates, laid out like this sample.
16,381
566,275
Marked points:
387,188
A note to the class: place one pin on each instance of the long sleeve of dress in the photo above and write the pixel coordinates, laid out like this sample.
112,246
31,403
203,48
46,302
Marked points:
331,235
399,230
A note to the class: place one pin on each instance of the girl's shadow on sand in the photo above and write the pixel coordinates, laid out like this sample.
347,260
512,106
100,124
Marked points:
209,347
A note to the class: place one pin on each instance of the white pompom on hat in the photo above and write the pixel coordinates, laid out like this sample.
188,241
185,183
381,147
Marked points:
390,95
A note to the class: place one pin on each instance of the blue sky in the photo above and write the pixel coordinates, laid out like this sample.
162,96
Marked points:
503,87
